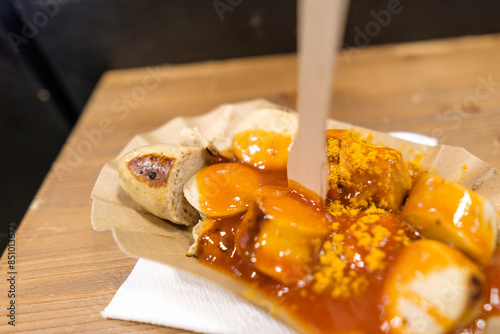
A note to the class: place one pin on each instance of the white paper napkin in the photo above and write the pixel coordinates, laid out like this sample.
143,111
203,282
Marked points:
161,295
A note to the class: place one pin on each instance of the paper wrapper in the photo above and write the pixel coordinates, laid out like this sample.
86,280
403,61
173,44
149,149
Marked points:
141,234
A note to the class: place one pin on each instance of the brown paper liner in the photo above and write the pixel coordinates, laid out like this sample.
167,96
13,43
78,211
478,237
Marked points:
140,234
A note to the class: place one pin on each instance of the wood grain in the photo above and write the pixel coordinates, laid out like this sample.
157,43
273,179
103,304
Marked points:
67,273
320,29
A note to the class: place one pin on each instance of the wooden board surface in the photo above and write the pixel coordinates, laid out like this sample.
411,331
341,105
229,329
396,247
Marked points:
66,273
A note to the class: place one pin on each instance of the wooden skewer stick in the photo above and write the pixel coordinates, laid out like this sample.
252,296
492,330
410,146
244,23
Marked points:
321,29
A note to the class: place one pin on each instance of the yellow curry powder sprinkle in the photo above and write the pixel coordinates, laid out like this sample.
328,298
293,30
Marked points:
333,148
401,237
341,269
337,209
374,209
358,159
334,273
415,165
335,270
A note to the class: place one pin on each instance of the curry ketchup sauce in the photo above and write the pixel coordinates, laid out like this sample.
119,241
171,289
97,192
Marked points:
317,311
248,184
327,271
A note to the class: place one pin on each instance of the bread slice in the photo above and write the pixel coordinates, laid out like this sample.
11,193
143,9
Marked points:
154,177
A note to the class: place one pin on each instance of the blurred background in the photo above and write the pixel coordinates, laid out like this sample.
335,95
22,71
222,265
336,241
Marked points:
53,52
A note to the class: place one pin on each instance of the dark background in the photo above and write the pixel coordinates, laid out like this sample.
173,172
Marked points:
52,53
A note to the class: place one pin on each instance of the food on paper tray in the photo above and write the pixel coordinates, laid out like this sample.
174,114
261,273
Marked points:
392,248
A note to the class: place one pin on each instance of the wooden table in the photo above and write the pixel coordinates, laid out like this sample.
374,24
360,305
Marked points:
66,273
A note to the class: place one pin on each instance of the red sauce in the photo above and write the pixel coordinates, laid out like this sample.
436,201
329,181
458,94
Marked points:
320,313
317,310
